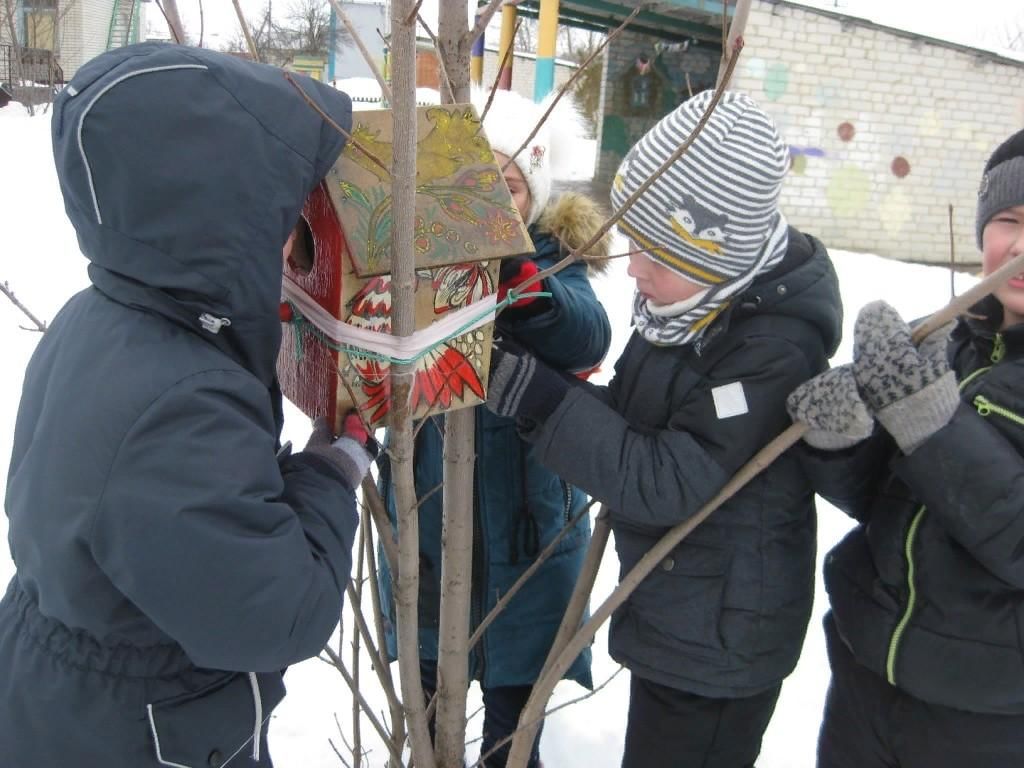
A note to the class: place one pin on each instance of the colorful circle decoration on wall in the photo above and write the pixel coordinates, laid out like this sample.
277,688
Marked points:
848,191
900,167
846,131
776,81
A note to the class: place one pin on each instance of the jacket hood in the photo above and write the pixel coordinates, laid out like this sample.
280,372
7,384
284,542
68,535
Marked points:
574,218
183,171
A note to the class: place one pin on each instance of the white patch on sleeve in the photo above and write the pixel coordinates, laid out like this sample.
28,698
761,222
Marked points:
730,400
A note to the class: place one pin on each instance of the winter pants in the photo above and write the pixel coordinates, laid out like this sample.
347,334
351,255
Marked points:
502,706
669,728
871,724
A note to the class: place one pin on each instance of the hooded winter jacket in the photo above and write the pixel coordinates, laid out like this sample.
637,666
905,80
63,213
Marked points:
724,615
169,565
928,591
519,506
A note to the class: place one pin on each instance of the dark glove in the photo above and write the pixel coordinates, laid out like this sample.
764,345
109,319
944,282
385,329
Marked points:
521,386
912,392
832,408
514,272
350,454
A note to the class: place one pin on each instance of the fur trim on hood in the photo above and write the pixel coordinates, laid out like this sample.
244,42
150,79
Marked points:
574,218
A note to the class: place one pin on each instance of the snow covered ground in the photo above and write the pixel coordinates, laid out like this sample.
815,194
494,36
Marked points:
39,259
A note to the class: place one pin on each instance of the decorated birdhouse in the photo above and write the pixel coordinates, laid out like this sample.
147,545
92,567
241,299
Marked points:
337,350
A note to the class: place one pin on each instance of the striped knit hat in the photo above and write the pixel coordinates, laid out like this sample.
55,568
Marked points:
713,216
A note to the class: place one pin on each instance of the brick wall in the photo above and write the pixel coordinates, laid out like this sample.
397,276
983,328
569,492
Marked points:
887,129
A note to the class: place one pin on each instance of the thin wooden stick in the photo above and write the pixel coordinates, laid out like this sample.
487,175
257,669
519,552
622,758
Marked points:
331,122
448,97
384,88
501,68
39,324
355,592
482,21
415,12
952,257
568,83
397,712
376,660
547,713
337,662
545,554
734,37
245,31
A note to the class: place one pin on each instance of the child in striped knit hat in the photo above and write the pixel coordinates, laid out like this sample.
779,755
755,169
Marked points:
732,310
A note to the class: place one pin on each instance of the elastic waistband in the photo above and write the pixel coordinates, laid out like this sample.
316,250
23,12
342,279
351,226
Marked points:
79,648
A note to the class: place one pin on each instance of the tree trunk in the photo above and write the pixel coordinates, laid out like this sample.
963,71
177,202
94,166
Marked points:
174,20
458,496
403,191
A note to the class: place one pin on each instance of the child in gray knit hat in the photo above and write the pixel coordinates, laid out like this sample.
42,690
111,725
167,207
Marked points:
733,309
924,447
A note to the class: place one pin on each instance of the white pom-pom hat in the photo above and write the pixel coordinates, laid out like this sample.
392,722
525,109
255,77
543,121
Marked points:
511,118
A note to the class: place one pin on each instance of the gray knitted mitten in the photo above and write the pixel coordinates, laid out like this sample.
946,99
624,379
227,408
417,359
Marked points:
831,407
912,392
348,453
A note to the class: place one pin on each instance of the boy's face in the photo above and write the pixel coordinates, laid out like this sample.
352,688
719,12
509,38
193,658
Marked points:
1001,240
516,184
657,282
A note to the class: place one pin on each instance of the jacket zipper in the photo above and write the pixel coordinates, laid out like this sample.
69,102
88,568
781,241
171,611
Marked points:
998,351
894,642
567,495
986,408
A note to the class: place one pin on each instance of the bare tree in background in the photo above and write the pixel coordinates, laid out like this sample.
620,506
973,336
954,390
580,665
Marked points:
308,28
527,35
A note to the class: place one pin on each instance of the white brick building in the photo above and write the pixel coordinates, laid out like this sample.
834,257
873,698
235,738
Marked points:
887,128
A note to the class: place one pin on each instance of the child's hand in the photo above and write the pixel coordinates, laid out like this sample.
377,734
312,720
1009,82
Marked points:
912,392
514,272
350,454
832,408
521,386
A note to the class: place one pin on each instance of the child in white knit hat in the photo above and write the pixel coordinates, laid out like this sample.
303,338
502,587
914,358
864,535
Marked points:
519,505
733,309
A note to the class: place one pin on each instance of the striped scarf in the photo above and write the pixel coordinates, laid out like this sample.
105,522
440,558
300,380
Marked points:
686,322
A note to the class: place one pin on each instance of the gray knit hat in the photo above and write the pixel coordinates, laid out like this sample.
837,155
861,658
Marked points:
708,217
1002,184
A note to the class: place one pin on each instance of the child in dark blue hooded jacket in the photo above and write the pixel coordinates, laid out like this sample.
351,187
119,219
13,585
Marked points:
170,561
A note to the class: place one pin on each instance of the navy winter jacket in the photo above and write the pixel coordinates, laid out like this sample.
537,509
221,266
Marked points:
928,591
169,565
724,615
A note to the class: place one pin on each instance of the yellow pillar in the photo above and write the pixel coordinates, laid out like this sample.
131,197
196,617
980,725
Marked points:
547,34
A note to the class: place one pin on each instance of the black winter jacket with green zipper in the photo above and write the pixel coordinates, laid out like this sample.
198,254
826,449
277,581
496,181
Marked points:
928,591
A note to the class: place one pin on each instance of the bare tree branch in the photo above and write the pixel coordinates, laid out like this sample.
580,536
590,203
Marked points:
348,136
245,31
39,324
447,92
337,662
501,68
482,21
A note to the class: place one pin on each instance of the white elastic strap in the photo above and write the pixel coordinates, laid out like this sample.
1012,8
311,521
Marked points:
258,704
156,741
384,344
81,120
